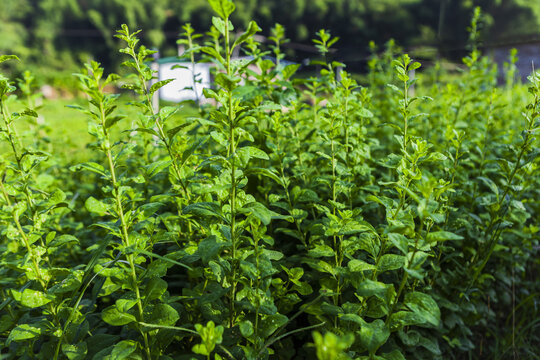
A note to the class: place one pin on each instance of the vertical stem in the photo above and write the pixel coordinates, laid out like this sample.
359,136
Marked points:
347,150
124,228
286,188
232,195
336,239
161,132
405,118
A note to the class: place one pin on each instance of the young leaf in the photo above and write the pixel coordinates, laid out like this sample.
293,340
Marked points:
252,29
424,306
114,317
96,206
224,8
123,349
442,236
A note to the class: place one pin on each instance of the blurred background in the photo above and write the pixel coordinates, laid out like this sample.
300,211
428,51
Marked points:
53,37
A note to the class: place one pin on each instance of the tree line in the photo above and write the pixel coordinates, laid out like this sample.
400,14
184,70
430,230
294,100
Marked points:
60,33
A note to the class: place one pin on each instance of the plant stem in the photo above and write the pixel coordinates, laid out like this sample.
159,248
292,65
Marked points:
123,225
232,156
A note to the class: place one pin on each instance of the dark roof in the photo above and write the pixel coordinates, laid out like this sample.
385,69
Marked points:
176,59
170,59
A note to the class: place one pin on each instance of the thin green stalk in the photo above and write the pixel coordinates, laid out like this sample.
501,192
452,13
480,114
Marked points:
287,192
159,127
232,156
347,150
296,136
124,227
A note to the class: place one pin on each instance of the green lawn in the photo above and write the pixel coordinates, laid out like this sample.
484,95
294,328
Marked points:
64,129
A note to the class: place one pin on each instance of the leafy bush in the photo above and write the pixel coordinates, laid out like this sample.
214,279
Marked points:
294,219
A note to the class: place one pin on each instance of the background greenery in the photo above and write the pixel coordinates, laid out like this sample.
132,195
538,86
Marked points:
58,33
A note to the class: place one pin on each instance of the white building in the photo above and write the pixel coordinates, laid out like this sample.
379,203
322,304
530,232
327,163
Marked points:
182,87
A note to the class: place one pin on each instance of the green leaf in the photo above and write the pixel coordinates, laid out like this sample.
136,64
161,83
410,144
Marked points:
354,227
365,113
264,172
211,335
370,287
31,298
260,211
229,82
394,355
219,24
273,254
415,65
399,241
442,236
203,209
224,8
156,167
4,58
164,314
373,335
175,130
29,112
70,283
146,131
123,349
290,70
353,318
154,289
390,262
114,317
331,346
156,86
251,30
96,206
430,344
271,323
246,328
111,120
63,240
491,184
196,144
167,111
356,265
321,250
424,306
166,259
6,321
209,248
217,56
123,305
75,351
23,332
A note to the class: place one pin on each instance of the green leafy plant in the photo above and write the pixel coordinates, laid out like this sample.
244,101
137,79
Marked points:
280,218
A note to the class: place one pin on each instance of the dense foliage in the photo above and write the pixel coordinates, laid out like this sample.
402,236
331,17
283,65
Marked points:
293,219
